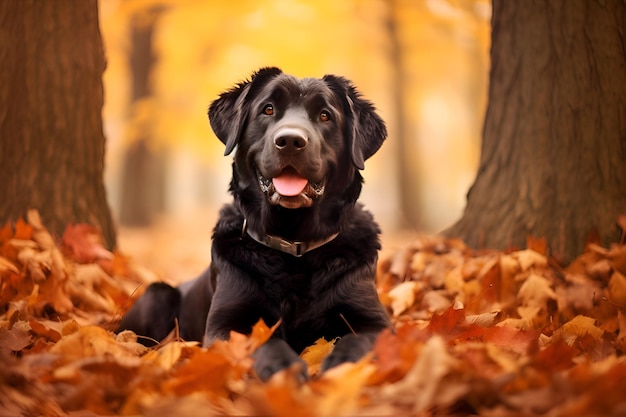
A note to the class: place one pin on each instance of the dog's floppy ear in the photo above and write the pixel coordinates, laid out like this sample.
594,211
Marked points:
228,114
367,129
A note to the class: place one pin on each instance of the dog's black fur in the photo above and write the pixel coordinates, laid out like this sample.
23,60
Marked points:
318,129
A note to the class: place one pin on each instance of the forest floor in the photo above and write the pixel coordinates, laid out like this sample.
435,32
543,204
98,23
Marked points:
490,333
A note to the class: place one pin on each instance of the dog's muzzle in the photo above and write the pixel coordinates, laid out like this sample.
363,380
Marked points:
305,198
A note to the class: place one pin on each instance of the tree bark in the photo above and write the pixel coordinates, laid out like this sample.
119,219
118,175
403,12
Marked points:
553,161
51,139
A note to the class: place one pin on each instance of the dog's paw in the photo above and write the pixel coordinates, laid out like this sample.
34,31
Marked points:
276,355
154,314
350,348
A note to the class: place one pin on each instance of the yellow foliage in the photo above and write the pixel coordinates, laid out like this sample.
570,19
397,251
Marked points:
203,46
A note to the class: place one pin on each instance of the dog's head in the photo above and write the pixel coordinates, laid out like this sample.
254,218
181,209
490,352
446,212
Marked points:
297,139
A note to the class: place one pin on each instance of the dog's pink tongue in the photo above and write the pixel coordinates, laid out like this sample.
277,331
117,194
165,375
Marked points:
289,183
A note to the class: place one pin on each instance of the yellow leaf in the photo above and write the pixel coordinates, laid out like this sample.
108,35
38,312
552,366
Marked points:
340,388
315,354
165,357
91,341
617,289
577,327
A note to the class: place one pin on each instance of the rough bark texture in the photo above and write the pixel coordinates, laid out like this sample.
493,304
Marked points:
553,161
51,96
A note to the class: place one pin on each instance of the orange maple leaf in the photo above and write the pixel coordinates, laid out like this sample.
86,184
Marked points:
449,324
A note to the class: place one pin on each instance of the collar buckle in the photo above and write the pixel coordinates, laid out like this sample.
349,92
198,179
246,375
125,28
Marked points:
283,245
294,248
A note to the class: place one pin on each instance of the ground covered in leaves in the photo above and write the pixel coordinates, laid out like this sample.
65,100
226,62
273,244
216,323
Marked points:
476,333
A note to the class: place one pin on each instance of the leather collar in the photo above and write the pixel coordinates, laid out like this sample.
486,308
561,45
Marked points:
295,248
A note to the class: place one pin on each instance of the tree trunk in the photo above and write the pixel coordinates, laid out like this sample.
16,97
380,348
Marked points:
51,96
144,182
406,165
553,161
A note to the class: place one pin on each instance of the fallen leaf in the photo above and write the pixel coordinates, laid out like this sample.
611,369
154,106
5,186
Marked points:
84,243
7,266
90,341
449,324
579,326
23,230
484,319
617,289
403,297
206,371
536,291
557,356
423,386
314,355
436,301
396,352
530,258
167,356
486,333
510,338
339,390
15,339
47,328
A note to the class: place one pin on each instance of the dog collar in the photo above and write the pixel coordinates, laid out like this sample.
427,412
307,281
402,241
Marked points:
295,248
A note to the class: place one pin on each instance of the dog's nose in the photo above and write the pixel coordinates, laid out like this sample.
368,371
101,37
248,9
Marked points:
290,139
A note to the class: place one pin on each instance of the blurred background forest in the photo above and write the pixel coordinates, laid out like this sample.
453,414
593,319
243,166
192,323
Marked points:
424,63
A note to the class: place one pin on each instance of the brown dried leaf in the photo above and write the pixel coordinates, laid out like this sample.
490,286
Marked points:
15,339
47,329
423,387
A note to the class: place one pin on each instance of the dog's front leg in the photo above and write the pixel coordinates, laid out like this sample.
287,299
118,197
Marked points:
276,355
350,348
154,314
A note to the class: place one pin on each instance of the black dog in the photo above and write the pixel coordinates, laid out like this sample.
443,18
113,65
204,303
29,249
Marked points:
294,246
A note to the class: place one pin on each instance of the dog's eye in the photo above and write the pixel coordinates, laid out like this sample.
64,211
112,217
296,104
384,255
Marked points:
268,109
325,116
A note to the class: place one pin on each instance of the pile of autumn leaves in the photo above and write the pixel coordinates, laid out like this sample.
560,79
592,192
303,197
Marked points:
487,333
